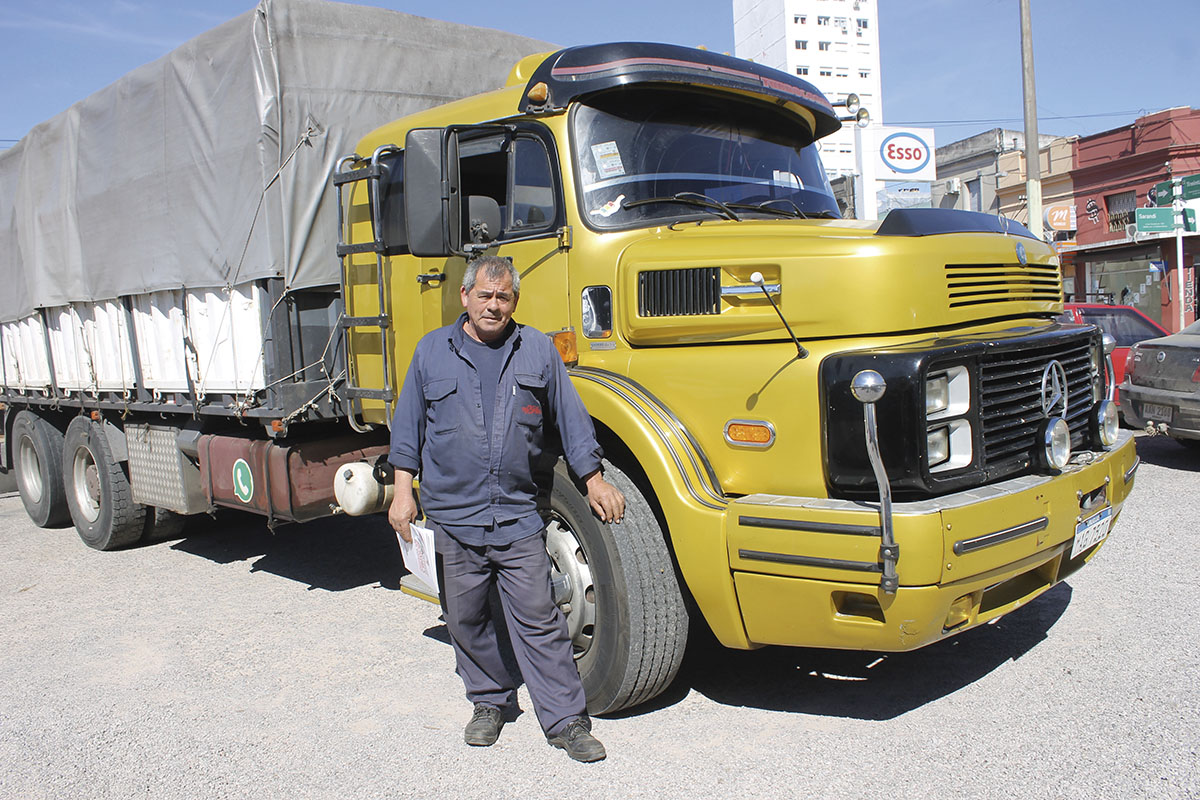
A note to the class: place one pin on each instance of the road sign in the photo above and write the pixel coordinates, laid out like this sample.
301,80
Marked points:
1164,193
1189,219
1191,186
1155,220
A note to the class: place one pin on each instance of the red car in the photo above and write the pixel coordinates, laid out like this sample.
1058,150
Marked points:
1124,323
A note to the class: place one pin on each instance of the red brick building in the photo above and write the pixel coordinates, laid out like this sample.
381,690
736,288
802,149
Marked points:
1114,174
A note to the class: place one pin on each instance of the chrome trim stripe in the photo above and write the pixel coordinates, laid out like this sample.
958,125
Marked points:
741,291
809,561
1137,462
712,488
999,537
663,435
809,527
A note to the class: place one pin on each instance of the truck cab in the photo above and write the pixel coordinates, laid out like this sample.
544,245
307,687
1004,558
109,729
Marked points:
833,433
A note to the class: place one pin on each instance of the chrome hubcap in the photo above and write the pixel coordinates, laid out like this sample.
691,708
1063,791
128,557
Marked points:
29,471
85,484
571,580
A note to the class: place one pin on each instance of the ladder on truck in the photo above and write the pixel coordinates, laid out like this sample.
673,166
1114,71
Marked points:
346,174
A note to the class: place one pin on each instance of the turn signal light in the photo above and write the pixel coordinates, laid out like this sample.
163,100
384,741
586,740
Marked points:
749,433
567,346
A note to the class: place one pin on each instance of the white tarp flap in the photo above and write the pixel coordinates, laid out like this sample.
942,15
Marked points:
210,166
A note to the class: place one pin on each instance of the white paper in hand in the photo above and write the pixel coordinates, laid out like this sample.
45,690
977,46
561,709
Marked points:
418,555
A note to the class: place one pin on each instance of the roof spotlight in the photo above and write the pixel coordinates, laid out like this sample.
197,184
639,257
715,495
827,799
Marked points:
850,102
862,118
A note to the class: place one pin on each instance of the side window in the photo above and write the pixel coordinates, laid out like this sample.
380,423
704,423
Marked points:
483,169
395,234
532,194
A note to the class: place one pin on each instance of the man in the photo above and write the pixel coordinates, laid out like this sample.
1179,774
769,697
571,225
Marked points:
483,401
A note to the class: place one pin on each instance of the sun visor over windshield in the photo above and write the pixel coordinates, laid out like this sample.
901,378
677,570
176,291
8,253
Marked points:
582,70
933,221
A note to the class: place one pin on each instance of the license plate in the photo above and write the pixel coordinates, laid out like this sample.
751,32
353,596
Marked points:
1156,412
1091,530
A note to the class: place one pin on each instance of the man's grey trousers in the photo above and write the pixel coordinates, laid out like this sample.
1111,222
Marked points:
537,628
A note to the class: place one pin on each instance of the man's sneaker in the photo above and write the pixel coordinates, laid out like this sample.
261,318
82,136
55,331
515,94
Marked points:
484,728
578,741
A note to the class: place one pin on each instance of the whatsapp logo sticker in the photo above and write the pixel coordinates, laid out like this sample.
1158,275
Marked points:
243,480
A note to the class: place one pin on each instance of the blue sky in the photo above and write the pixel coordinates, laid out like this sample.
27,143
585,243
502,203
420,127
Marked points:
949,64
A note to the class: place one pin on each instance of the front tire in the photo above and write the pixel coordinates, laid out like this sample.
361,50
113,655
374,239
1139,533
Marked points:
616,585
98,493
38,452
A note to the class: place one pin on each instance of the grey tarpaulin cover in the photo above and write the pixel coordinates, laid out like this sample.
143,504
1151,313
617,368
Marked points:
156,181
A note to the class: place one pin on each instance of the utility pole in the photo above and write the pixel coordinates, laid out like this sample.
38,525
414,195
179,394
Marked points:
1033,163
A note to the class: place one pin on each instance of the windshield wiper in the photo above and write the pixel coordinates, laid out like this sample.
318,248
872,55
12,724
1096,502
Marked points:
690,199
765,206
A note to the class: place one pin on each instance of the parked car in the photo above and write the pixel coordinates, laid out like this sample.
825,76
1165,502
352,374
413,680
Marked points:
1162,385
1124,323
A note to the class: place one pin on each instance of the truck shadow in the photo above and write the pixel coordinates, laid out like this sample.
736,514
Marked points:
1163,451
334,554
856,684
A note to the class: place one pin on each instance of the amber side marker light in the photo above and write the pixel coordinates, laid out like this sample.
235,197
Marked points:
538,92
567,346
749,433
95,415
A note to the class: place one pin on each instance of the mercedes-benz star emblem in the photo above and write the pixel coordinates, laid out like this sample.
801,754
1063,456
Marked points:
1054,390
1160,356
1021,254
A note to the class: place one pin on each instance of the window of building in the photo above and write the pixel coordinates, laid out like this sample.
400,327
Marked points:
864,73
801,44
1121,210
823,45
843,73
974,191
826,72
862,25
801,70
822,20
800,19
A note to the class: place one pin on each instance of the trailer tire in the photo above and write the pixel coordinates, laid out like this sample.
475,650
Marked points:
37,453
98,493
625,612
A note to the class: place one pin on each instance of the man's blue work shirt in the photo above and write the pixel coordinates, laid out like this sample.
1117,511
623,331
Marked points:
472,478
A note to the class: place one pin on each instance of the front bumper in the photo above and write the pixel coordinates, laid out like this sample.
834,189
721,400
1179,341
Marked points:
807,570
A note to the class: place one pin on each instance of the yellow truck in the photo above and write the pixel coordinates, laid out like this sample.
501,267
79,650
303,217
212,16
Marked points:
831,433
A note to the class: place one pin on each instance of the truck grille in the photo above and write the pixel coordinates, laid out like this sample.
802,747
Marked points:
1011,387
982,284
679,292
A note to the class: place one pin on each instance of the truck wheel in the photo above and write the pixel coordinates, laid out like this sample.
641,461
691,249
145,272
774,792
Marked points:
616,586
38,451
162,525
97,490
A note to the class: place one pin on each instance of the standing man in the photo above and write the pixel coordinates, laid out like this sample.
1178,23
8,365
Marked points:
484,401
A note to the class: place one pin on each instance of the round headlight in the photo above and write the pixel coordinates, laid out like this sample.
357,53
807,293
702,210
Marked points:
1106,422
1056,441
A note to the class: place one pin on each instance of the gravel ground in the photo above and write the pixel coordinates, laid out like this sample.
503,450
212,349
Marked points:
234,662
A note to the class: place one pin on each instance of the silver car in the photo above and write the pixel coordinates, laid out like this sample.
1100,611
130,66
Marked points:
1161,391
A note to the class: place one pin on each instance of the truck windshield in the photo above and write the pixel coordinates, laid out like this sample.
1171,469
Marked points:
645,156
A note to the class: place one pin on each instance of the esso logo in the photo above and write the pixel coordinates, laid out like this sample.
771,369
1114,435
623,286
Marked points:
904,152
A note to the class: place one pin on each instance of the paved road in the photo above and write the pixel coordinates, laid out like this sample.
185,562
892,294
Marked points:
237,663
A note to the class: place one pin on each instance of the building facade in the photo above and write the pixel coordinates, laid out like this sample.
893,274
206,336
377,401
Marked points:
833,44
970,172
1115,173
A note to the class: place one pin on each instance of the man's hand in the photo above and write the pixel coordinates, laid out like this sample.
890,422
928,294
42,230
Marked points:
403,510
605,499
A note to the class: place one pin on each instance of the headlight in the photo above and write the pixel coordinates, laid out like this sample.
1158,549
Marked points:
937,394
1106,422
937,444
948,442
1056,443
947,393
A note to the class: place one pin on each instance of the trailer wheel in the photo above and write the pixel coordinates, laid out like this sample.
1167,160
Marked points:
98,492
38,452
616,586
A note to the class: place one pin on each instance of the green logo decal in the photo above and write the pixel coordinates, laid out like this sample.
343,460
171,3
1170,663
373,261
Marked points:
243,480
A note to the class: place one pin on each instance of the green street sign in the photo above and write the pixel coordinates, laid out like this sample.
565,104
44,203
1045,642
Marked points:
1191,187
1164,193
1189,220
1155,220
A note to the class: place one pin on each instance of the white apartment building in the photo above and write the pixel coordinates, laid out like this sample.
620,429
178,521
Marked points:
832,44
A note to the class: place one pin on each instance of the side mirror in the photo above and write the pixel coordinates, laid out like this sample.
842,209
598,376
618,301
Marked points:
483,219
432,208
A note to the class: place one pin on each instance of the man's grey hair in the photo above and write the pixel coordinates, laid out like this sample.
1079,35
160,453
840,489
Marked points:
493,267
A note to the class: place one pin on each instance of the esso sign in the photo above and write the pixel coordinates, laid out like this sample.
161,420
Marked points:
905,153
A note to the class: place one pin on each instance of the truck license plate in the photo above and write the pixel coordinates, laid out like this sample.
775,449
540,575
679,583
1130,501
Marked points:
1091,530
1156,412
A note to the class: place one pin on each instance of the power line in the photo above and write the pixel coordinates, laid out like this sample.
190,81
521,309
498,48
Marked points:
999,120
